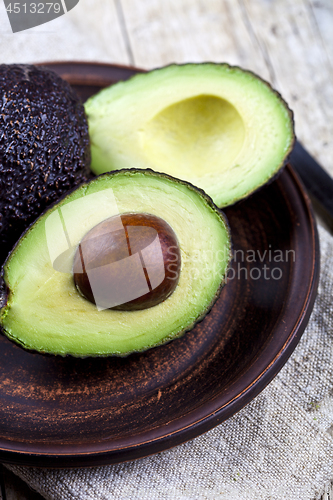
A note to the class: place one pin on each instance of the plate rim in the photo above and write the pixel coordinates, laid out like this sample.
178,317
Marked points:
86,458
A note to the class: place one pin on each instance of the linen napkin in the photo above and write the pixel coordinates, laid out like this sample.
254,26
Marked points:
279,447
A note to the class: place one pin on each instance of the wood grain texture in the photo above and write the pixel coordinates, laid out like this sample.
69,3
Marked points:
322,12
91,31
300,69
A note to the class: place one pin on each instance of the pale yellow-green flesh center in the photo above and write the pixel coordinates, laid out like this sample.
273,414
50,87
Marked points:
204,133
45,312
220,128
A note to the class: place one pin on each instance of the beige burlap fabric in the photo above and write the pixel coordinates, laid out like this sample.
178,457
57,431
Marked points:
279,447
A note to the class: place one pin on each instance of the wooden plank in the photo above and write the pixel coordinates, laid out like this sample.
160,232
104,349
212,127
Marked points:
287,31
90,31
322,11
189,31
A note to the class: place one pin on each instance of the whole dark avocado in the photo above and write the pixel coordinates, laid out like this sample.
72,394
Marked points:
44,146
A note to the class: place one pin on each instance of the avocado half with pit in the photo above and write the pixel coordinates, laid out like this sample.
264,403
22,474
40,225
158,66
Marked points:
45,309
219,127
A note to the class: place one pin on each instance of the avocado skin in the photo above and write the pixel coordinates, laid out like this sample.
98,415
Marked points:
44,146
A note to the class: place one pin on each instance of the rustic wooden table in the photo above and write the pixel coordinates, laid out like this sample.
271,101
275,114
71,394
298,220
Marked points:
287,42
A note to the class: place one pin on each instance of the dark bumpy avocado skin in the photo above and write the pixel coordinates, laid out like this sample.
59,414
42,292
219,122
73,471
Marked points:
44,146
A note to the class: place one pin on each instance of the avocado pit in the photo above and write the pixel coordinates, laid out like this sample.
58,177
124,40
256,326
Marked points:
128,262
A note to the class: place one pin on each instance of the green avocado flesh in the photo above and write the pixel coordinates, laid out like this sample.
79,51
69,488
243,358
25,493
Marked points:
45,312
219,127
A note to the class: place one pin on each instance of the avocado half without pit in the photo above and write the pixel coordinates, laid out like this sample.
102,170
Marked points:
219,127
126,262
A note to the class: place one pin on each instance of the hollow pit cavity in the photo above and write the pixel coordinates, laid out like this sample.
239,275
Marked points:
203,133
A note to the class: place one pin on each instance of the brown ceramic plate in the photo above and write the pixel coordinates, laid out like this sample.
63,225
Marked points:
60,412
